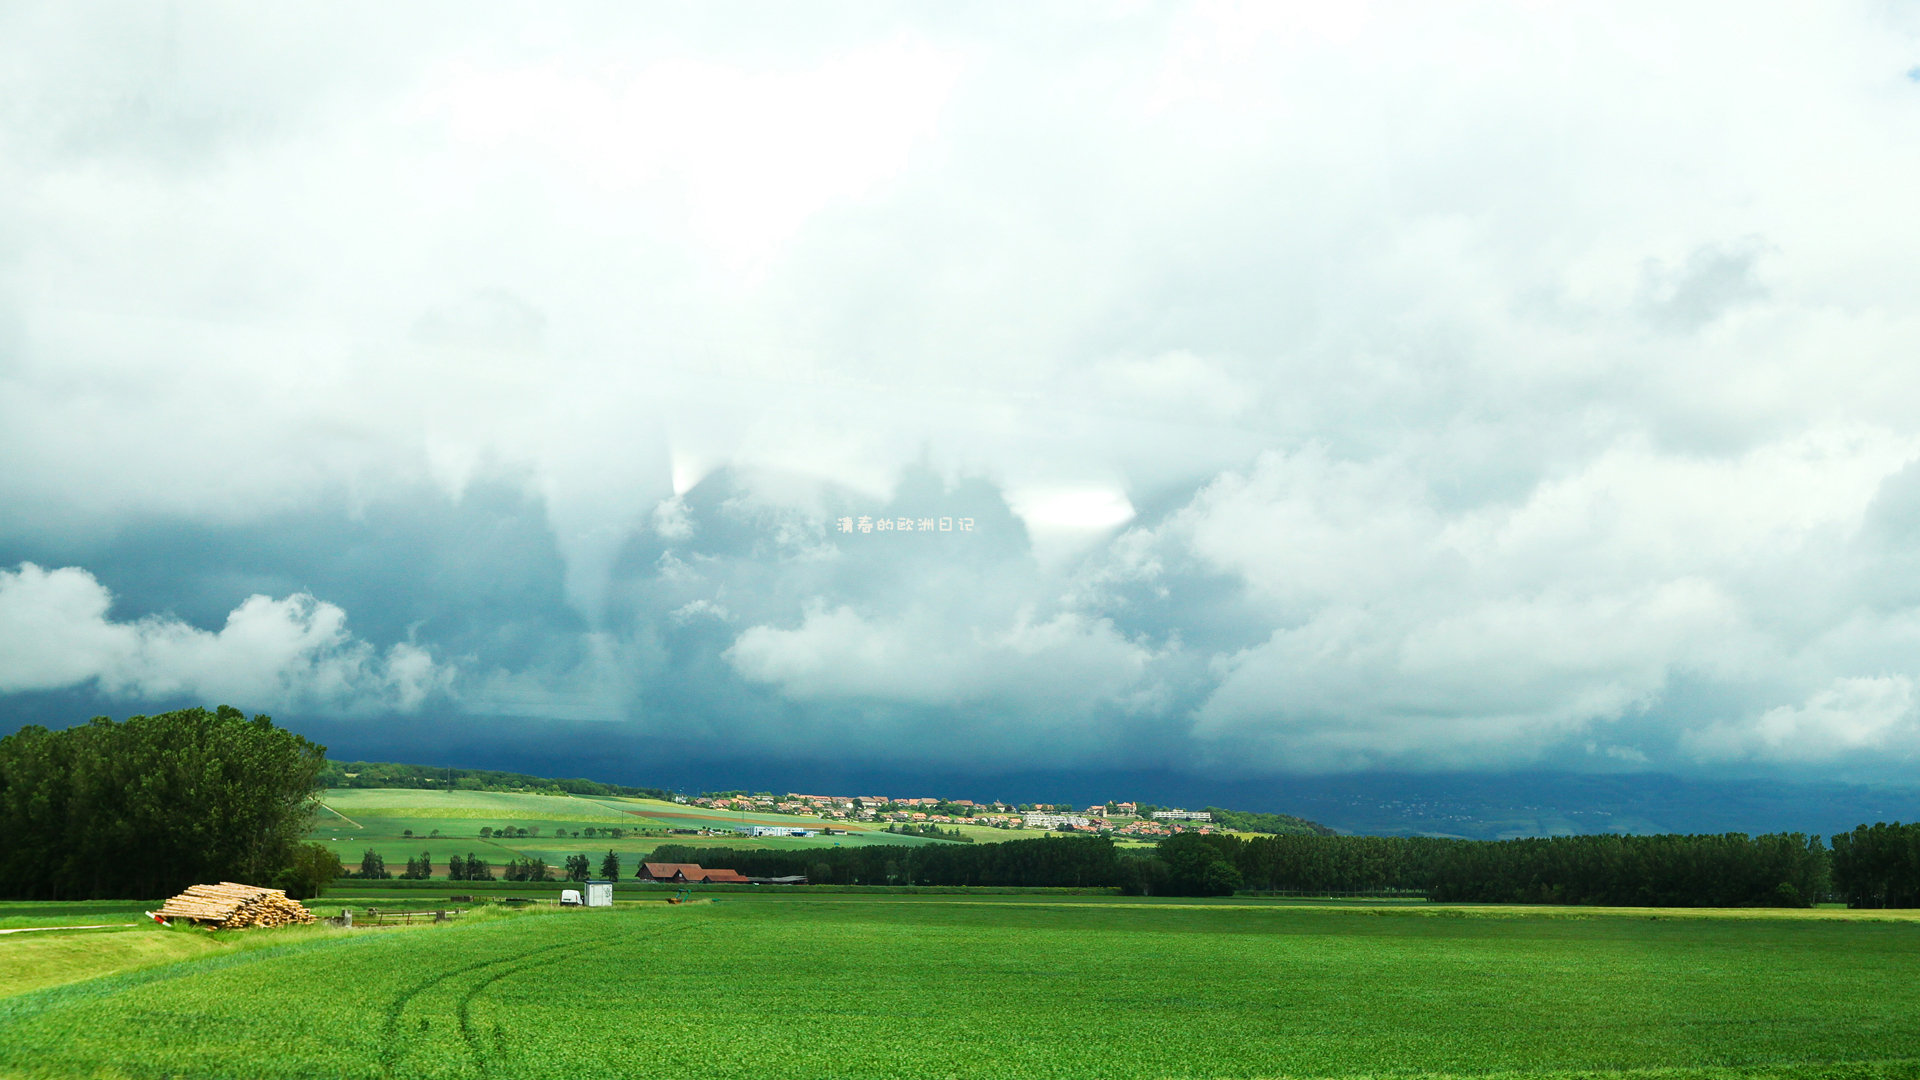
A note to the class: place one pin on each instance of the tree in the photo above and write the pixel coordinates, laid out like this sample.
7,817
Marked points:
373,866
610,866
313,868
147,807
577,868
456,869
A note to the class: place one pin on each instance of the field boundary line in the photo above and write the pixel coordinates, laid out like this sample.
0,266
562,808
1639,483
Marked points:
339,815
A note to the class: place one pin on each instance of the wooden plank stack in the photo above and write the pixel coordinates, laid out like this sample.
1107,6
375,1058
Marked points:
232,906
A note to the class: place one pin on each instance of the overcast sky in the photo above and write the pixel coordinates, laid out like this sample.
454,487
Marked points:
1327,387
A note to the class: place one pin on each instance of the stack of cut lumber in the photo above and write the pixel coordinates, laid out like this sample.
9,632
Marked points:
231,906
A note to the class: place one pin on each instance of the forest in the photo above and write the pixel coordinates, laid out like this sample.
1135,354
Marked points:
1732,870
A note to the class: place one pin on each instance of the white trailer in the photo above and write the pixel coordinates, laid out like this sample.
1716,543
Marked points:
570,898
599,894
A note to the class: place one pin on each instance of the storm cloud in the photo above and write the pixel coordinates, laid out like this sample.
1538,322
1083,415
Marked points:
1244,389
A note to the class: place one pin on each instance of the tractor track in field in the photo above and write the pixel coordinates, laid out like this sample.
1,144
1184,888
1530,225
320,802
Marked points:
464,1011
391,1047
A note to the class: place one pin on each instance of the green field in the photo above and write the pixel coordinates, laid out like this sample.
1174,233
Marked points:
826,985
355,819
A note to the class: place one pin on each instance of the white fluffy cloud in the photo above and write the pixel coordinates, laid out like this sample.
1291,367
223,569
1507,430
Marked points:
1511,364
56,633
1851,715
1041,668
1409,634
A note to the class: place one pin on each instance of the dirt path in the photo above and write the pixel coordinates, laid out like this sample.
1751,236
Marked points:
339,815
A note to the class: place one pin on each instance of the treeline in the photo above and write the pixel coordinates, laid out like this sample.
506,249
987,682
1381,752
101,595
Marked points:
388,774
1277,824
1878,866
1046,862
1726,870
1781,870
1731,870
930,831
145,808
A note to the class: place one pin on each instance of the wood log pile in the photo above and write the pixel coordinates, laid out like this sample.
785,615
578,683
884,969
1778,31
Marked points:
232,906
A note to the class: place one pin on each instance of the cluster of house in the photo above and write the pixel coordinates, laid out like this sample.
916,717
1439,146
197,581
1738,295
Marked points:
1119,818
1101,819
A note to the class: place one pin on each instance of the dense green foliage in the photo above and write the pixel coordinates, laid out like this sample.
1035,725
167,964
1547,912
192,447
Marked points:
1878,866
388,774
529,870
147,807
1046,862
1277,824
1732,870
1787,870
953,987
930,831
470,868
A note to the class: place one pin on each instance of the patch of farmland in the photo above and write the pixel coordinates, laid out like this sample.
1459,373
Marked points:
32,961
505,807
1119,990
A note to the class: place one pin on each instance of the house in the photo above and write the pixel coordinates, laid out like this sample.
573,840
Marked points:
1039,820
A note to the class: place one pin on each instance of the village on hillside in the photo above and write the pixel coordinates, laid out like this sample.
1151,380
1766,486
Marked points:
1124,819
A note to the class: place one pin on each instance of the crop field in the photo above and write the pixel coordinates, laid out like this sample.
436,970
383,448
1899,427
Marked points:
905,986
483,806
356,819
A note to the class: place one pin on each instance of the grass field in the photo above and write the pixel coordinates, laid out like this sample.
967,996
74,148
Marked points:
802,985
356,819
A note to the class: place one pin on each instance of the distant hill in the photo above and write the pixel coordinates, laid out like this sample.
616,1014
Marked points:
1276,824
1504,806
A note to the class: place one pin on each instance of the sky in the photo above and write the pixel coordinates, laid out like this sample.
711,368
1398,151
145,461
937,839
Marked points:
1222,390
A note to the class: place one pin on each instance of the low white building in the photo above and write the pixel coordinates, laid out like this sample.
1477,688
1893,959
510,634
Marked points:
1037,819
599,894
778,830
1182,815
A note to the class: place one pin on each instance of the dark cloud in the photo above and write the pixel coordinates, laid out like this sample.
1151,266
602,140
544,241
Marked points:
1321,401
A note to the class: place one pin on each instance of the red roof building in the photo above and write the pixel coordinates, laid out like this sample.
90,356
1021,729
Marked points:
686,872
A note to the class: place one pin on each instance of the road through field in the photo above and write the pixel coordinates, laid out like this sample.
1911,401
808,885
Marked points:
930,987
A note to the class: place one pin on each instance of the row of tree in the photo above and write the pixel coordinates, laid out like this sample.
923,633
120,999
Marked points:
147,807
1048,861
1732,870
1878,866
474,868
